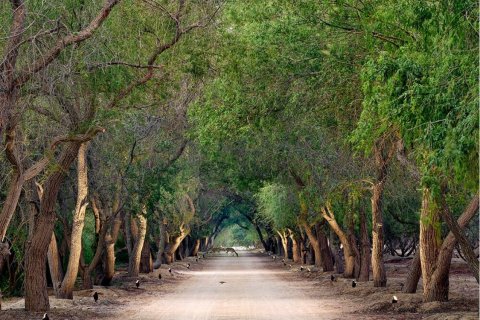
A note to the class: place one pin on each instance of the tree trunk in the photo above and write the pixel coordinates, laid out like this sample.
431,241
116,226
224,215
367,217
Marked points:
36,297
11,202
146,261
196,247
378,267
283,238
465,246
172,246
312,237
260,236
429,249
365,247
435,288
413,275
134,261
325,251
109,258
296,254
278,239
382,162
54,264
161,245
66,290
349,254
353,244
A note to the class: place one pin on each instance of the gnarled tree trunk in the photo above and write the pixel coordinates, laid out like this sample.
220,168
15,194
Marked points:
349,253
312,237
54,264
66,289
435,260
134,259
296,254
414,274
283,238
173,245
325,251
196,247
36,297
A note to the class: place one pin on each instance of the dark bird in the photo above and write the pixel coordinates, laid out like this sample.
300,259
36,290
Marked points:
196,259
203,256
289,265
137,283
283,260
95,296
301,268
170,270
394,299
284,264
159,276
332,277
222,282
188,265
45,317
354,284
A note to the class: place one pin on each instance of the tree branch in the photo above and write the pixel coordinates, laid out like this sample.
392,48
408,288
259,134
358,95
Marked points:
66,41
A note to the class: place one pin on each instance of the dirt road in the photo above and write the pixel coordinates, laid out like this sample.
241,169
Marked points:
251,290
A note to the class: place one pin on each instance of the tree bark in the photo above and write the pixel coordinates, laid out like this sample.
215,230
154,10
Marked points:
353,243
36,297
437,267
54,264
134,261
325,250
283,238
196,247
66,290
349,254
161,244
110,240
146,261
382,162
414,274
312,237
296,254
429,249
467,250
365,247
172,246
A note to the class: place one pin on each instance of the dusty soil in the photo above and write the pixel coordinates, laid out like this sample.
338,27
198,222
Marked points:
257,287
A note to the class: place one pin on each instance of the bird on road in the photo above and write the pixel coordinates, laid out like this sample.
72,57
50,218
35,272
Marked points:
283,260
170,270
45,317
196,259
95,296
160,276
354,284
188,265
301,268
137,283
222,282
284,264
394,299
332,278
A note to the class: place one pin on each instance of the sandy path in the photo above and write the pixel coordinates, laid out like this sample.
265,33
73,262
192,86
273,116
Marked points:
251,291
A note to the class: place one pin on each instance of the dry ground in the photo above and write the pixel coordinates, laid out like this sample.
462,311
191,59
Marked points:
256,287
